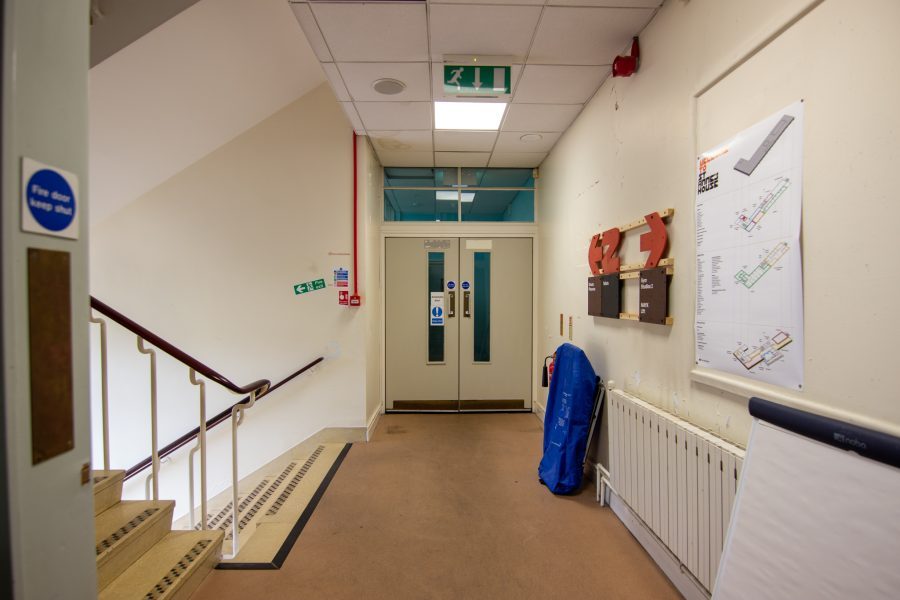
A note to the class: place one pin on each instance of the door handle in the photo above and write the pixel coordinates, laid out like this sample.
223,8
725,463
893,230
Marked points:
451,312
466,312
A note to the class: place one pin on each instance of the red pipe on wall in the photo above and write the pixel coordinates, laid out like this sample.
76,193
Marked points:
354,297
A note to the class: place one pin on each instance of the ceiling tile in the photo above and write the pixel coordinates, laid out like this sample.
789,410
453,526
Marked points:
391,116
461,159
437,80
334,78
517,159
360,76
609,3
535,2
540,117
585,35
352,115
559,85
373,32
483,30
464,141
405,159
512,142
311,29
401,141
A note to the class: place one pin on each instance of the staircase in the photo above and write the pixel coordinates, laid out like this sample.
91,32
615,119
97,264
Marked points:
138,554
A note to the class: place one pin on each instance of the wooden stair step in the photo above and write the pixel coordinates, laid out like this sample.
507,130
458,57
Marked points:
107,489
125,531
171,570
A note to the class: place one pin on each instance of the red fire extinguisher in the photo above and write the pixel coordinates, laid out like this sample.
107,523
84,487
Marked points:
547,373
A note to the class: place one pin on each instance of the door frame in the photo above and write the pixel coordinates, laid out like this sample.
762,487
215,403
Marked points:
462,231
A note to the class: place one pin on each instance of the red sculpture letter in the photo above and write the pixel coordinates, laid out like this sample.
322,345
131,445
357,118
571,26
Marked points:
610,245
654,241
595,254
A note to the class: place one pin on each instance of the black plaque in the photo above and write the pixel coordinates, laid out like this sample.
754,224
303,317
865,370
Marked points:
594,296
654,296
50,345
610,295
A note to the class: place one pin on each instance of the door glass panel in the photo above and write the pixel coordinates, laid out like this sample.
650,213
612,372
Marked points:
435,284
482,293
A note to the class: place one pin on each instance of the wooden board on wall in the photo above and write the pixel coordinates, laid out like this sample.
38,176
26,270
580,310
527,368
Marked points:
50,353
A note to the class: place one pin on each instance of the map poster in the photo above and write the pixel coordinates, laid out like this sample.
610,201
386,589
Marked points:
749,306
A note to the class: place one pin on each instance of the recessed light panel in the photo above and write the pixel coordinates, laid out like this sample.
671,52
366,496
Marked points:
474,116
451,195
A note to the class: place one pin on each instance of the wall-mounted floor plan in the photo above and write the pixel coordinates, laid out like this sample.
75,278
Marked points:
747,166
749,222
768,352
748,280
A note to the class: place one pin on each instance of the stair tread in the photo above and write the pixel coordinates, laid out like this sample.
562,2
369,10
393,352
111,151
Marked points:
167,566
123,514
104,479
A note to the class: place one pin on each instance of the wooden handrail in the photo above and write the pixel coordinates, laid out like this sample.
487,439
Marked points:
136,328
214,421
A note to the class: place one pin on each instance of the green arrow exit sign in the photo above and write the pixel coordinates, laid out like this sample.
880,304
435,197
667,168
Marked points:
484,80
309,286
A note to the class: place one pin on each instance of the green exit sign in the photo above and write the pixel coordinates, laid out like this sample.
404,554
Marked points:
309,286
468,80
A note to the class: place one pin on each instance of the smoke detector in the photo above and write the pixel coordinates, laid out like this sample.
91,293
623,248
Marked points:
530,138
388,87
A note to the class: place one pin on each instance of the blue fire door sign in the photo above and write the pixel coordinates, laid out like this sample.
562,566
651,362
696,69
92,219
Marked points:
436,311
49,200
451,285
465,285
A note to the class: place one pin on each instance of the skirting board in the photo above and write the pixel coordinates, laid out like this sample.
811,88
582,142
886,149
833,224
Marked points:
538,410
666,561
373,423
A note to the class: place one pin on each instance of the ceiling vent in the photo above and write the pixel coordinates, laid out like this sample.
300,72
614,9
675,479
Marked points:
388,87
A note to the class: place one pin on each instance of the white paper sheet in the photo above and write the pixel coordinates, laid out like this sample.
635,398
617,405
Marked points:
749,305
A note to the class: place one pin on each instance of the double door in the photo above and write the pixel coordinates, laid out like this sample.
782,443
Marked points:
458,324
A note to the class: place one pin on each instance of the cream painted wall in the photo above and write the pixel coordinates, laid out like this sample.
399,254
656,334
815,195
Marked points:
632,151
371,192
208,260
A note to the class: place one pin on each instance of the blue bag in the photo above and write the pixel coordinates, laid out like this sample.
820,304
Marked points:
567,421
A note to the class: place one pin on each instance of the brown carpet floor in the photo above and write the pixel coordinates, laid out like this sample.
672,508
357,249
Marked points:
449,506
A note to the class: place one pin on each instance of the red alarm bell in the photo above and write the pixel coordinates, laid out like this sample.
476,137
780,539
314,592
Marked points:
625,66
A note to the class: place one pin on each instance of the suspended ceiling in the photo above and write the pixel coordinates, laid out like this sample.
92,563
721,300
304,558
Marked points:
561,51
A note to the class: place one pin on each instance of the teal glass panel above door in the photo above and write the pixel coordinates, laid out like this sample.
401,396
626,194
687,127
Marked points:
420,177
498,205
482,313
496,178
420,205
435,284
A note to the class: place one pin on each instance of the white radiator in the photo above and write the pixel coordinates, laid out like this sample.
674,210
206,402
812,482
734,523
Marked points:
680,480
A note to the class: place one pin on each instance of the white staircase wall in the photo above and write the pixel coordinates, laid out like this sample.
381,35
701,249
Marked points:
208,261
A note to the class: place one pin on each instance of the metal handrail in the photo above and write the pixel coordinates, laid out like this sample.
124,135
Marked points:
212,422
256,390
260,386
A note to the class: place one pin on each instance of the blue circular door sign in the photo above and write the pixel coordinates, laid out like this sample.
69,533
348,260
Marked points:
465,285
437,311
50,200
451,285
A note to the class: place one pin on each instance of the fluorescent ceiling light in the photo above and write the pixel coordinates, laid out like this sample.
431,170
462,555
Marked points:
468,115
451,195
